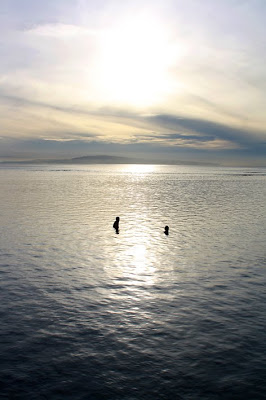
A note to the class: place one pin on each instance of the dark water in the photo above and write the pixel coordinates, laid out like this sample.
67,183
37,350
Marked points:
90,314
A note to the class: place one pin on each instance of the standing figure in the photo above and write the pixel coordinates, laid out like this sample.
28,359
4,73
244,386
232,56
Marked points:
166,230
116,224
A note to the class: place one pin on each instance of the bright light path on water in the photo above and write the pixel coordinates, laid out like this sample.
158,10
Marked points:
139,168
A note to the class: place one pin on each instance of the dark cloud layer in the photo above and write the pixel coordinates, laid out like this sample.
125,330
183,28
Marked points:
208,130
162,134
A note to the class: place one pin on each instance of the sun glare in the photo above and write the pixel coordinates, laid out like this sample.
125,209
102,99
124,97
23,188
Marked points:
135,61
139,168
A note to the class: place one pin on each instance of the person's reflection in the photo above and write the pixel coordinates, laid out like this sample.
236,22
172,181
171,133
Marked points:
166,230
116,225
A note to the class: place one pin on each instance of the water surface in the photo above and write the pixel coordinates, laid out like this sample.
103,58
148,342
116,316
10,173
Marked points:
90,314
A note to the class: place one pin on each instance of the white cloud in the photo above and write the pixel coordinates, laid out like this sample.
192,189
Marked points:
59,30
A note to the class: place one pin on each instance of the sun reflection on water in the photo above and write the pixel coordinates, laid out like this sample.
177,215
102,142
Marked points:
136,256
140,267
139,168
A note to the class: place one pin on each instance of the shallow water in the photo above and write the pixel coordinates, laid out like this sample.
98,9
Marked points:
90,314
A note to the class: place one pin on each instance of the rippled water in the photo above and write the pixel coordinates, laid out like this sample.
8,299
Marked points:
90,314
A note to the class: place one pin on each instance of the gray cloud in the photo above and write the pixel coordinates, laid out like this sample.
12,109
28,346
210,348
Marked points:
160,126
210,130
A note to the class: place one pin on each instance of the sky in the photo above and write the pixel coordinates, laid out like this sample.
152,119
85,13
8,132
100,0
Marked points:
164,80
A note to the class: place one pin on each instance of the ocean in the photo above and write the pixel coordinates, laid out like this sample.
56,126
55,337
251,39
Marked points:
88,313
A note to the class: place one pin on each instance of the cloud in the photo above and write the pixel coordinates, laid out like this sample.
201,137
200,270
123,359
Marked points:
59,30
113,125
167,76
166,125
213,130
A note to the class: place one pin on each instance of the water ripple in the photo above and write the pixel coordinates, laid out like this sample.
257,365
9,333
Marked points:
90,314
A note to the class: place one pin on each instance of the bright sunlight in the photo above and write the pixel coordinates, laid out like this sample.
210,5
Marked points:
139,168
135,64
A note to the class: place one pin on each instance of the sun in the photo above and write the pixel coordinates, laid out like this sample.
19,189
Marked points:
135,59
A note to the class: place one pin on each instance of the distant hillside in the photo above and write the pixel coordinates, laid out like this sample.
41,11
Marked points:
106,159
99,159
103,159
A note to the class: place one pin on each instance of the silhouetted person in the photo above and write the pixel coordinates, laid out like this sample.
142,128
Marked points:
116,225
166,230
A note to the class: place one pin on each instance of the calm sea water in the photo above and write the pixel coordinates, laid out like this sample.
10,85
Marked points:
90,314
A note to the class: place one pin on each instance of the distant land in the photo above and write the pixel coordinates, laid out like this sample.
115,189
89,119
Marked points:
106,159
